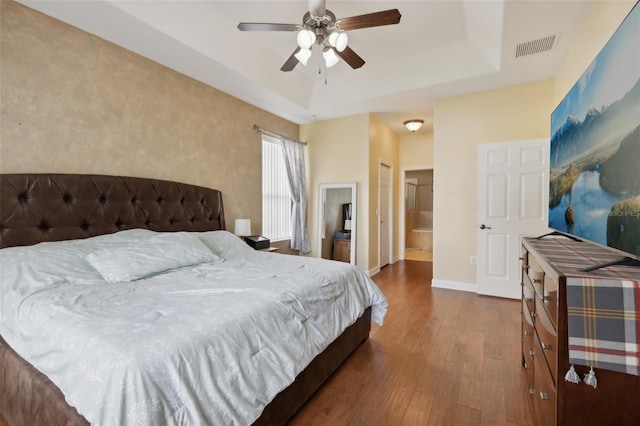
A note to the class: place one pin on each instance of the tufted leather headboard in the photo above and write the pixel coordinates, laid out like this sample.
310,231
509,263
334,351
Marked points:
54,207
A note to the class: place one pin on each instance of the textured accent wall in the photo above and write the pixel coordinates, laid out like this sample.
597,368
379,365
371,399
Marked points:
72,102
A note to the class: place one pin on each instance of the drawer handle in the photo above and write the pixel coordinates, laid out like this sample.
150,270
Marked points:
546,346
526,366
526,333
535,314
527,267
546,298
544,396
537,281
532,391
532,353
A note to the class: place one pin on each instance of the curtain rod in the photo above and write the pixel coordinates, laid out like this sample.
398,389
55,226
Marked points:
276,135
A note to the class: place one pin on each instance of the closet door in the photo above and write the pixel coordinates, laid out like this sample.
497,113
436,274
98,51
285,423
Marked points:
385,226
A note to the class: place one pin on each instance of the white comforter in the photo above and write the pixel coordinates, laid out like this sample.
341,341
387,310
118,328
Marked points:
211,343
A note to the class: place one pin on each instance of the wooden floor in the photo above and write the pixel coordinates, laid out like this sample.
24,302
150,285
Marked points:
442,357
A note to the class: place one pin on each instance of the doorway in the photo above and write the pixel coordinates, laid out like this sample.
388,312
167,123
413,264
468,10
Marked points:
418,215
337,225
513,200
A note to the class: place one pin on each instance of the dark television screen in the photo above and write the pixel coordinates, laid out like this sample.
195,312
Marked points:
594,185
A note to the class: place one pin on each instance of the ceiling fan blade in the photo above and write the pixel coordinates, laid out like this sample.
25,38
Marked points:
375,19
291,63
350,57
317,7
257,26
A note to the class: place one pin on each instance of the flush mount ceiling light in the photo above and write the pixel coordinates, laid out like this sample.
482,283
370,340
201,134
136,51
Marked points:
413,125
320,26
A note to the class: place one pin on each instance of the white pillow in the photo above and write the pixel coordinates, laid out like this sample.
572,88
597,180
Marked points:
225,244
140,259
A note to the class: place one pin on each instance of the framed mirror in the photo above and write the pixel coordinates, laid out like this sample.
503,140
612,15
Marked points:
337,221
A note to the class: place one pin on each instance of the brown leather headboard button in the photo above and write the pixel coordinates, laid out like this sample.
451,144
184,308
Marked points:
53,207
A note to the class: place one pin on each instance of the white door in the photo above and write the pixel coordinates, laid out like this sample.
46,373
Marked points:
513,178
383,232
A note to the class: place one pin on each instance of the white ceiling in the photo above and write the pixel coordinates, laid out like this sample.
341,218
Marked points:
439,49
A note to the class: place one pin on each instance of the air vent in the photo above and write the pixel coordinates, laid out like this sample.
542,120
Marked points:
540,45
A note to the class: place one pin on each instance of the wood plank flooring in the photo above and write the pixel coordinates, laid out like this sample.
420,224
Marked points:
442,357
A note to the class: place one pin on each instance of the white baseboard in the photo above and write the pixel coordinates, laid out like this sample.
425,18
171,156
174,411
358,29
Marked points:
373,271
395,259
454,285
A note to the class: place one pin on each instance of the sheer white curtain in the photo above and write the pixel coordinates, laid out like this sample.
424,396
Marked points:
293,153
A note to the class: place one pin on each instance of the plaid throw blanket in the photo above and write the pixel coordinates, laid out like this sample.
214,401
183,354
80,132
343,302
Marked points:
604,323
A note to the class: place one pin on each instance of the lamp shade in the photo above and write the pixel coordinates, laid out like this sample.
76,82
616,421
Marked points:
413,125
242,227
339,40
306,38
303,56
330,57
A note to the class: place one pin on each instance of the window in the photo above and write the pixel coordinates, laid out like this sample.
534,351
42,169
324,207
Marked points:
276,198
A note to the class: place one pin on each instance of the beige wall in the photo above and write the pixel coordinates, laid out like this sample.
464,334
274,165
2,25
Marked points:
72,102
601,22
460,125
416,151
384,148
338,152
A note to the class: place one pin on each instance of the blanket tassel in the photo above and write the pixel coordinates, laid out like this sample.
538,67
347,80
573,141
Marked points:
572,376
590,378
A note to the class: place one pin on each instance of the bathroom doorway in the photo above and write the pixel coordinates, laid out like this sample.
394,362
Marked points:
418,215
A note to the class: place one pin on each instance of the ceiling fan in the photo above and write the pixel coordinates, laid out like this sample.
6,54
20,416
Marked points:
320,27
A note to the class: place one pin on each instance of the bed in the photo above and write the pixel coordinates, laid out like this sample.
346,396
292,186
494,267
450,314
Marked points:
102,223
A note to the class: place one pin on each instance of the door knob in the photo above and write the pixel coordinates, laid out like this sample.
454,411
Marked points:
484,227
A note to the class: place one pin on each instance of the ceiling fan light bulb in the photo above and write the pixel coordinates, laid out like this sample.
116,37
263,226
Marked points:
330,57
413,125
339,40
303,56
306,38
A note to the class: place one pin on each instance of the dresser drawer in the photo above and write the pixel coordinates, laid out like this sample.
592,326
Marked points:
528,294
527,364
548,339
544,401
550,299
527,326
536,275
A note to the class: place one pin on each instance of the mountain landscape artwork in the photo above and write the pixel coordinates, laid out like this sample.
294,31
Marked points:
594,190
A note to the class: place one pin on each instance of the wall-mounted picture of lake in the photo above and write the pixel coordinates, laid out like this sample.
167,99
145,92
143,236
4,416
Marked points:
594,190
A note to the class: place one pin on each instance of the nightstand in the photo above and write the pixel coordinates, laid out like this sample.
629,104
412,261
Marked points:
342,250
271,249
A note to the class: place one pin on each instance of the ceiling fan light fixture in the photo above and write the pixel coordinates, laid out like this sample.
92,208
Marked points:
303,56
339,40
330,57
306,38
413,125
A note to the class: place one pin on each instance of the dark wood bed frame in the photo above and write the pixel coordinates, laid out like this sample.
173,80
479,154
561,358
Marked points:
54,207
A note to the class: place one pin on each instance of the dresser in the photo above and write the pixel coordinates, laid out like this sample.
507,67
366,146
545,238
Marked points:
547,265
